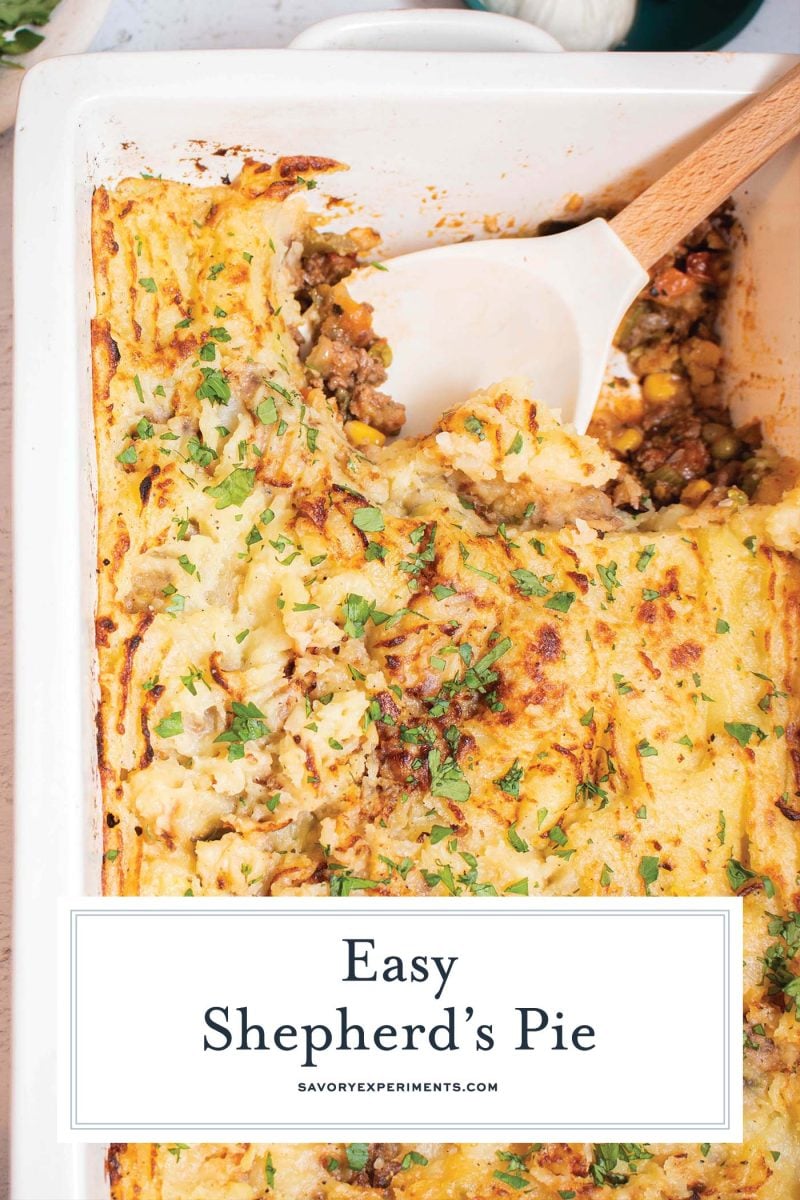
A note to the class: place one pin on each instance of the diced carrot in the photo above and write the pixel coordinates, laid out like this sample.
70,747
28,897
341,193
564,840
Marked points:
671,283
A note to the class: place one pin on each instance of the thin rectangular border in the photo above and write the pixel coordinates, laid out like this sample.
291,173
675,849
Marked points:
325,911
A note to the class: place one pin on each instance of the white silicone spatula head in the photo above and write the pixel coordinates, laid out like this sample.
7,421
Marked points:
461,317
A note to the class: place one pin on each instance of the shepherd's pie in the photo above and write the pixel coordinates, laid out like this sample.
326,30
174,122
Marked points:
475,662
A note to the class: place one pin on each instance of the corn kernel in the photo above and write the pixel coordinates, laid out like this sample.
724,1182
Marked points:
701,353
361,434
660,386
627,439
695,491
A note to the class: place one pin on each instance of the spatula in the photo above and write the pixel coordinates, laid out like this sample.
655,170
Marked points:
463,316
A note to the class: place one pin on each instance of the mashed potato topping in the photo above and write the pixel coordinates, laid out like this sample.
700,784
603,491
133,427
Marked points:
444,666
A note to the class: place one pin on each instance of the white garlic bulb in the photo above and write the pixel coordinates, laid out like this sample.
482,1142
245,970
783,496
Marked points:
576,24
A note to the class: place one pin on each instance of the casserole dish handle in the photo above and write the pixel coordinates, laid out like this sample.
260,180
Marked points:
420,30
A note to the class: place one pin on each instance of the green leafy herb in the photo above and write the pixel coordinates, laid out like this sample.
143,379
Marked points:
357,611
473,425
170,726
529,584
743,732
509,783
644,558
515,841
447,778
234,489
608,578
200,453
721,828
215,386
369,520
148,283
246,724
413,1159
648,871
561,601
357,1155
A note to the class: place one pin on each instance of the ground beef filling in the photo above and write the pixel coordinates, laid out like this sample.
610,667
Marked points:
681,445
347,356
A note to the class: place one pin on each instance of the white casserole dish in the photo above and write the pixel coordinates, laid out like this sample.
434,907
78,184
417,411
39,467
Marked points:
432,152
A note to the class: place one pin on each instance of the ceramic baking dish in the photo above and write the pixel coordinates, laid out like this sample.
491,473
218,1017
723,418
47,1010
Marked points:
437,143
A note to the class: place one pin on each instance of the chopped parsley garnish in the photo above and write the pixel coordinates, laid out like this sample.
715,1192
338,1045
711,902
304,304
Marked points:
509,783
215,386
743,732
644,558
608,1158
739,875
515,841
267,411
170,726
413,1159
357,611
528,583
246,724
778,955
234,489
369,520
200,453
357,1155
473,425
447,778
721,828
608,578
561,601
648,871
148,283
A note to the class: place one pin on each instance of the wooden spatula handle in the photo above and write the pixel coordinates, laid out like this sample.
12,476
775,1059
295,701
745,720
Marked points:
669,209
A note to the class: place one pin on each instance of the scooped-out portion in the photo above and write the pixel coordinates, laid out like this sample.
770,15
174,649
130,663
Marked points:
462,664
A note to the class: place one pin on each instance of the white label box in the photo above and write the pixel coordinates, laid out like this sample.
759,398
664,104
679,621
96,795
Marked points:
547,1019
